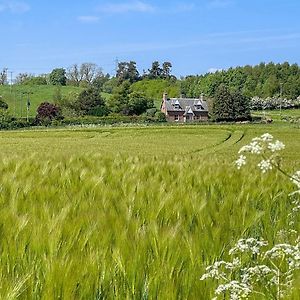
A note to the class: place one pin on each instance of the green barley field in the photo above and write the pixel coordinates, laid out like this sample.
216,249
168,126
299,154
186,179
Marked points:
133,213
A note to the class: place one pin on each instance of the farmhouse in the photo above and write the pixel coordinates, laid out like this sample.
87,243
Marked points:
184,110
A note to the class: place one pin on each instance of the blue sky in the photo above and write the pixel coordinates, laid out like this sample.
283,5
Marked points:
196,36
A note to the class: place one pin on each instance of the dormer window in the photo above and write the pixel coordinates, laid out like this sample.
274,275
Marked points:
199,106
176,105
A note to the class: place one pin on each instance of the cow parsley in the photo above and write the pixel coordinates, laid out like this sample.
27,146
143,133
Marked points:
248,245
277,146
266,137
264,147
241,161
265,165
254,269
296,179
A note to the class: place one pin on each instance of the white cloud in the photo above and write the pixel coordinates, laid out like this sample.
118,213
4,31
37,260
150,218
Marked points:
183,7
15,7
88,19
126,7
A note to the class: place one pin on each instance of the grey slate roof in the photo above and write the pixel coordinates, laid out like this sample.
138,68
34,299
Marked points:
187,105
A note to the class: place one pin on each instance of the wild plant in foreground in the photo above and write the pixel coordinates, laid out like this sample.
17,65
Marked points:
254,269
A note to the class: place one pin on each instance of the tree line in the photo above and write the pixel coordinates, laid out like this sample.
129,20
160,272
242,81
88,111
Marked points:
130,92
263,80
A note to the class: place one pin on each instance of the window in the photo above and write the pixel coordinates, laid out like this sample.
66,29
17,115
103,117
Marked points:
176,118
199,107
177,106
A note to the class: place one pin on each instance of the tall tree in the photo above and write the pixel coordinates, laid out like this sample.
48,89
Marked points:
90,102
84,74
127,71
89,71
241,104
100,80
73,75
21,78
166,70
156,71
58,77
230,106
118,103
271,86
223,106
3,76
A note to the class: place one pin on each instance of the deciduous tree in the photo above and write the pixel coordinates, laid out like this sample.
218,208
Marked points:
127,71
3,76
138,103
48,112
58,77
90,102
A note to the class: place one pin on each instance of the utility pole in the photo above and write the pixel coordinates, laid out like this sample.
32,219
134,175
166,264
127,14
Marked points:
281,87
116,65
28,106
15,98
11,81
21,105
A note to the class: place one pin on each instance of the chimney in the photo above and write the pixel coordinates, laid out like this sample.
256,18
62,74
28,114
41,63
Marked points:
165,97
163,105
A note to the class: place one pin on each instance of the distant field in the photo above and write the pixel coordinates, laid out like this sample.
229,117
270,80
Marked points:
16,97
131,213
277,115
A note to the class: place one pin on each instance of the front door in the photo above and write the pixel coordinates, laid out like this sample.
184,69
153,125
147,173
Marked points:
189,118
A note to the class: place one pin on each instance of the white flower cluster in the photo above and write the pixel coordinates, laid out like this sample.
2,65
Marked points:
263,145
237,290
296,207
288,252
254,147
241,161
248,245
240,282
296,179
216,271
266,137
265,165
256,273
277,146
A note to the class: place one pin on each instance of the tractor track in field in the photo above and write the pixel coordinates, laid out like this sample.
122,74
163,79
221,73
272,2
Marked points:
234,137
